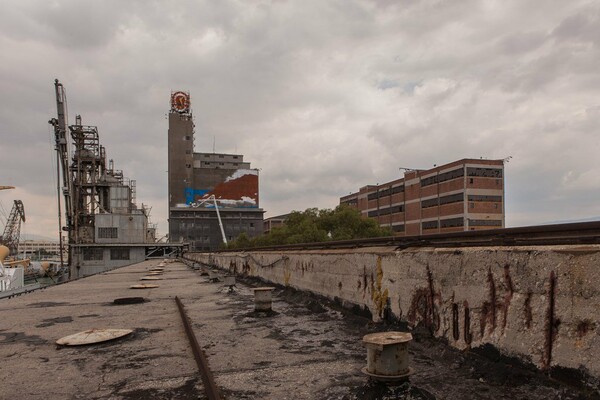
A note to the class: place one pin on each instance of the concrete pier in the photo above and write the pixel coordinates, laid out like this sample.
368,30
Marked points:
310,349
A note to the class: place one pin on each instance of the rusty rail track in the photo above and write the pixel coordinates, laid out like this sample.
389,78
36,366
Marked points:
558,234
210,387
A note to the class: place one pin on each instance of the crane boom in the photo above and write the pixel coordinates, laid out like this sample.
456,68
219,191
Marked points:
62,160
214,199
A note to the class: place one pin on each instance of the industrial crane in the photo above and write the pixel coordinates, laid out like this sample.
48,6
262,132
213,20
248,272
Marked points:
62,163
12,230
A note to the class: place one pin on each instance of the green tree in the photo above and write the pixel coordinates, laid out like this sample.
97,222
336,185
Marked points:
314,225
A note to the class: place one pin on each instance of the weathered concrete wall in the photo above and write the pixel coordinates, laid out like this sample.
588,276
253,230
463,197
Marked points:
540,304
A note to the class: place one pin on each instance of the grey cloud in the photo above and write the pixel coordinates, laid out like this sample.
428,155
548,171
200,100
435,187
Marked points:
297,88
581,27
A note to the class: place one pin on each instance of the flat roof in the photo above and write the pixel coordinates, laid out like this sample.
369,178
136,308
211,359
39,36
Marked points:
306,349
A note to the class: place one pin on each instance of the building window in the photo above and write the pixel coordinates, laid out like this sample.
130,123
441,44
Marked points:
477,197
119,254
451,222
485,222
221,156
108,233
398,228
453,198
470,180
485,172
429,225
93,254
446,176
385,211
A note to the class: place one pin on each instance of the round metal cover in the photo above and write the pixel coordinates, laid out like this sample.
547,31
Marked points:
150,278
387,338
143,286
93,336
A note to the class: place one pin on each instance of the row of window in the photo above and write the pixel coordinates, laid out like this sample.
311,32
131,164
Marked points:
219,155
477,197
484,172
453,198
446,176
386,211
97,254
221,163
213,214
445,223
351,202
386,192
485,222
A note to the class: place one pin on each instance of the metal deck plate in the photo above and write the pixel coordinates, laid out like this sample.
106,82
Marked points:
92,336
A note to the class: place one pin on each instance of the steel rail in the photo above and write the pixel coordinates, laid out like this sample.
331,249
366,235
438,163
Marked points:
210,387
542,235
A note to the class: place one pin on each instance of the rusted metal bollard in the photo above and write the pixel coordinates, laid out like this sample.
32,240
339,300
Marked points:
387,356
263,298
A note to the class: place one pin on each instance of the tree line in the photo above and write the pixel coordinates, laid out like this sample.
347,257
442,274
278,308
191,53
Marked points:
314,225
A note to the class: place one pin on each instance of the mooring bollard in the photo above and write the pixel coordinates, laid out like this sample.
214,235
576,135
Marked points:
263,298
387,356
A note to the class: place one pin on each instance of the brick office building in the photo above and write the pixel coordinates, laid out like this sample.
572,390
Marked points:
463,195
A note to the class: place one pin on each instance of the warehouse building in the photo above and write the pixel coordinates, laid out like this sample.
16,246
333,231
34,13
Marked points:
463,195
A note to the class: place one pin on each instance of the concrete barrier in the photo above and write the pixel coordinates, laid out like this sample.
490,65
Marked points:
537,303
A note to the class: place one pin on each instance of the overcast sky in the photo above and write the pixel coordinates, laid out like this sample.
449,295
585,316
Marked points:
323,96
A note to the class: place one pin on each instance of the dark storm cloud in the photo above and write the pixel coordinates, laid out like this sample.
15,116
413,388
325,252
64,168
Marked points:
323,96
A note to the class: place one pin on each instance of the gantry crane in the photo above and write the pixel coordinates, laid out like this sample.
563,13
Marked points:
12,229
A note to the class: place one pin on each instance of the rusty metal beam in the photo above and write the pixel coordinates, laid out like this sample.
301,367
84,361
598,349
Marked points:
580,233
210,387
